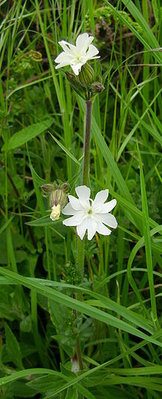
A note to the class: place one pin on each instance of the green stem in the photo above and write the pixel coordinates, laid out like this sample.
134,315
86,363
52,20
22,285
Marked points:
80,257
80,243
87,140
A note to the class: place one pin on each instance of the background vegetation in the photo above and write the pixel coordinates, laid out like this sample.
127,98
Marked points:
119,302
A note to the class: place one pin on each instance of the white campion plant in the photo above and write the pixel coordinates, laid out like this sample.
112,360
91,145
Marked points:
77,56
90,215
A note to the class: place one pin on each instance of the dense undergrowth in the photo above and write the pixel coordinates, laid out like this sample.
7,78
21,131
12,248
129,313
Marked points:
45,307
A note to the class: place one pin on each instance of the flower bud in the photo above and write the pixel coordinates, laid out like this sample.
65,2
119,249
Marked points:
86,75
97,87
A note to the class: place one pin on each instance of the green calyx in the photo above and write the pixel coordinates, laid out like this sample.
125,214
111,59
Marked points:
57,193
85,84
86,75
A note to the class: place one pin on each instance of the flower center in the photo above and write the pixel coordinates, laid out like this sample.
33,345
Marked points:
78,57
90,211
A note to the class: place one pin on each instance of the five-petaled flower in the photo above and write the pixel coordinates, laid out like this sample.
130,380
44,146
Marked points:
88,214
77,56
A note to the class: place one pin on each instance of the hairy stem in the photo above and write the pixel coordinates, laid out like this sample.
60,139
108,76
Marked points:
87,140
80,243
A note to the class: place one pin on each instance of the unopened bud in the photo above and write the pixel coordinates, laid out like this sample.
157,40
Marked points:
65,187
97,87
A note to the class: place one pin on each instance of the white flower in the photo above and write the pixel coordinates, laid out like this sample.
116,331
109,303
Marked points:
88,214
55,214
78,55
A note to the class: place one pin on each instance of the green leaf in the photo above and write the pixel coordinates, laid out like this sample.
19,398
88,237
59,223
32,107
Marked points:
26,134
24,373
59,315
8,308
67,152
20,390
6,224
72,393
13,348
82,307
43,221
86,394
47,383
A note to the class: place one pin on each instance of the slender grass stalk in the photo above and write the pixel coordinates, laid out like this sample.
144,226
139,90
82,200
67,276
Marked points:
146,57
147,239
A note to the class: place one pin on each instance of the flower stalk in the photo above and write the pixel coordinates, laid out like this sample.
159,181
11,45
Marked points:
80,248
87,141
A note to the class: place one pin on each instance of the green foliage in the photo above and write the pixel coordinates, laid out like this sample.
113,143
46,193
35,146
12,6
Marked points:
107,16
11,349
113,315
28,133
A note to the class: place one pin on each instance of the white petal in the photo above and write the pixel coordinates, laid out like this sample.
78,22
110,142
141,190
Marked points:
67,47
83,41
92,228
109,220
76,68
74,220
75,203
101,196
61,65
81,228
64,45
108,206
92,52
63,57
68,210
72,49
83,192
101,229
